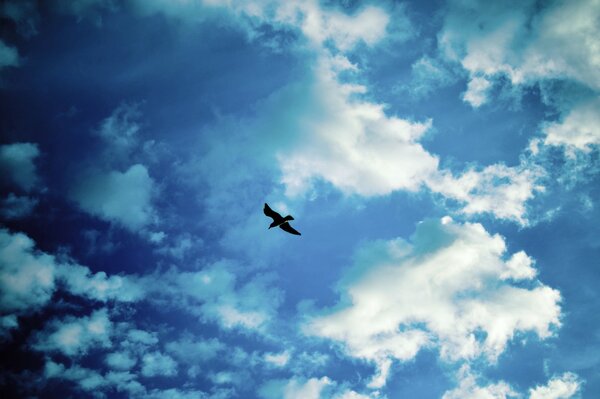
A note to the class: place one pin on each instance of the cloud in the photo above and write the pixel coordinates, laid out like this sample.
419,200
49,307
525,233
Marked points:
579,128
450,289
192,351
158,364
428,74
214,294
17,207
92,381
277,359
26,277
477,91
469,388
558,387
523,42
120,130
564,386
121,361
29,278
17,164
121,197
74,336
321,26
9,56
294,388
497,189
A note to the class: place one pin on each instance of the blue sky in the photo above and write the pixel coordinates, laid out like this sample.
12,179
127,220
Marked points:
440,159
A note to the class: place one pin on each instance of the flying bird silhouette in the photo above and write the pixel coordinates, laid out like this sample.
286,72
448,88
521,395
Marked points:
281,222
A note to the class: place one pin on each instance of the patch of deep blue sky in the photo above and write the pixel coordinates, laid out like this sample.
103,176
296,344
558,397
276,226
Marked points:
184,80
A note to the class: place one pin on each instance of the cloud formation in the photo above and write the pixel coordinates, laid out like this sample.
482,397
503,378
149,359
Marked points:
17,164
451,288
121,197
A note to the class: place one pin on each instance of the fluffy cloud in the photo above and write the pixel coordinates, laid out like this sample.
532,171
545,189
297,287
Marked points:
579,128
156,363
558,387
192,351
221,298
357,147
74,336
320,25
120,360
522,42
564,386
121,197
469,388
28,278
497,189
17,164
451,288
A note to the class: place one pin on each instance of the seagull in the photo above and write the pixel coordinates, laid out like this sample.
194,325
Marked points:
281,222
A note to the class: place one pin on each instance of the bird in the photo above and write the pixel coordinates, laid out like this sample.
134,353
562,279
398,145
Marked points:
281,222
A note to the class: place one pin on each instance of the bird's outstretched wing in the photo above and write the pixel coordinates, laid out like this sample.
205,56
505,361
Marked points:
286,227
271,213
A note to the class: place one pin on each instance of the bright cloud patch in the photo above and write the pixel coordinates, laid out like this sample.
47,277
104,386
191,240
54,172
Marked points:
214,294
358,148
580,128
499,39
74,336
470,388
29,278
122,197
559,387
451,288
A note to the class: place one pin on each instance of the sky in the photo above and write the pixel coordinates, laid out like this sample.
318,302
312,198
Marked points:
440,158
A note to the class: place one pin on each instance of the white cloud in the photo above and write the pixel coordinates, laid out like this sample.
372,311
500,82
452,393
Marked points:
469,388
250,305
523,42
79,280
354,145
9,56
92,381
277,359
16,207
75,336
318,24
477,91
579,128
17,164
120,360
193,351
26,277
294,388
121,197
450,288
564,386
497,189
29,278
156,363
